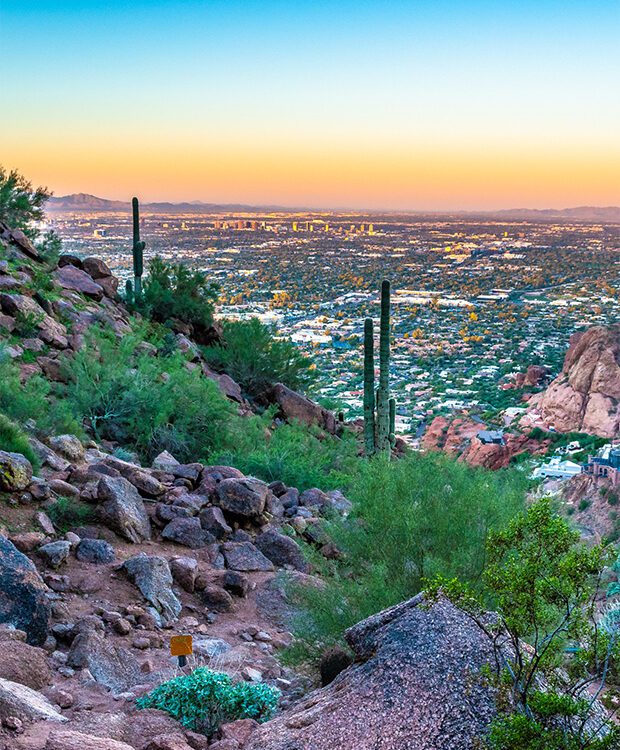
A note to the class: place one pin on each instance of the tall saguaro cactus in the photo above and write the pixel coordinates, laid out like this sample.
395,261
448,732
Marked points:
369,388
137,250
383,394
379,424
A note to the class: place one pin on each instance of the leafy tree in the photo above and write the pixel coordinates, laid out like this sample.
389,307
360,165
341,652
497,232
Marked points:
543,583
256,359
21,205
177,292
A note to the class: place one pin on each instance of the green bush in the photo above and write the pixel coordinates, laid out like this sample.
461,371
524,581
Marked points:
21,205
175,291
204,699
14,440
33,400
256,359
149,404
299,456
66,514
413,518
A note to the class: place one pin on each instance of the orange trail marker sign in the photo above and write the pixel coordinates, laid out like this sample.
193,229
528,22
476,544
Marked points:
181,646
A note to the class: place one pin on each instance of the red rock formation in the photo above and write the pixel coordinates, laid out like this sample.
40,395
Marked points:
585,397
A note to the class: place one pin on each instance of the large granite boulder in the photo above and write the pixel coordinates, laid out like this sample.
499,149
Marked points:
23,595
122,509
417,685
295,406
15,472
151,574
245,497
25,704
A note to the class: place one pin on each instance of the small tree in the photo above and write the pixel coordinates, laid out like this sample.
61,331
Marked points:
21,205
553,650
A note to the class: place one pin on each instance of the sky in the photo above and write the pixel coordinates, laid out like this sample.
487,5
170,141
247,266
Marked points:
378,104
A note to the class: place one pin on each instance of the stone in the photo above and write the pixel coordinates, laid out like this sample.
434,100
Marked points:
152,576
55,554
314,498
188,532
111,666
212,520
25,664
211,648
242,497
50,331
141,479
184,571
240,731
15,472
216,598
96,268
281,550
64,489
67,446
168,742
95,551
23,595
334,661
415,685
72,740
235,583
295,406
245,557
122,509
74,279
26,704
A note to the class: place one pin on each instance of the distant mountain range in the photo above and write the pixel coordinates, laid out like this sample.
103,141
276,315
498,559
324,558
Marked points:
84,202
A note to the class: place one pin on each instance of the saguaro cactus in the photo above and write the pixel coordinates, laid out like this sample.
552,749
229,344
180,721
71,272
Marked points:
379,409
369,388
383,395
137,250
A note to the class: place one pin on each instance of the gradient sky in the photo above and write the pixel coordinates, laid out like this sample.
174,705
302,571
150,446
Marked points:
427,104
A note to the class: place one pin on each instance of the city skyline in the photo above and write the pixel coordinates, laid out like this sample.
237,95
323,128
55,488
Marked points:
375,106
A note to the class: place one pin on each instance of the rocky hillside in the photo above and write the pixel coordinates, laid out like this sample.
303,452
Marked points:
103,559
585,397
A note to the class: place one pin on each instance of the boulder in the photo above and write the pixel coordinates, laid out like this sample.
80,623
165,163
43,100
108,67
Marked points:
74,279
245,557
50,331
95,551
17,240
25,704
212,520
184,571
281,550
152,576
244,497
23,595
295,406
67,446
64,739
55,554
216,598
15,472
188,532
417,684
25,664
96,268
122,509
115,668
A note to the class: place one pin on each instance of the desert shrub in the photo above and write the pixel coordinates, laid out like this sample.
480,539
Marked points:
204,699
414,518
33,400
21,205
176,291
252,355
299,456
14,440
149,404
67,513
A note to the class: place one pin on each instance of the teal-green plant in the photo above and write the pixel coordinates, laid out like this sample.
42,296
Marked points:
137,250
392,404
204,699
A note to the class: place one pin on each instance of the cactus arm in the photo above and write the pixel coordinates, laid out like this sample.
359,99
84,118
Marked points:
392,437
137,250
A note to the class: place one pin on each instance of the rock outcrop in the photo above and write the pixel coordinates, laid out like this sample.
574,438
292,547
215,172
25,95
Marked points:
417,686
23,595
585,397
